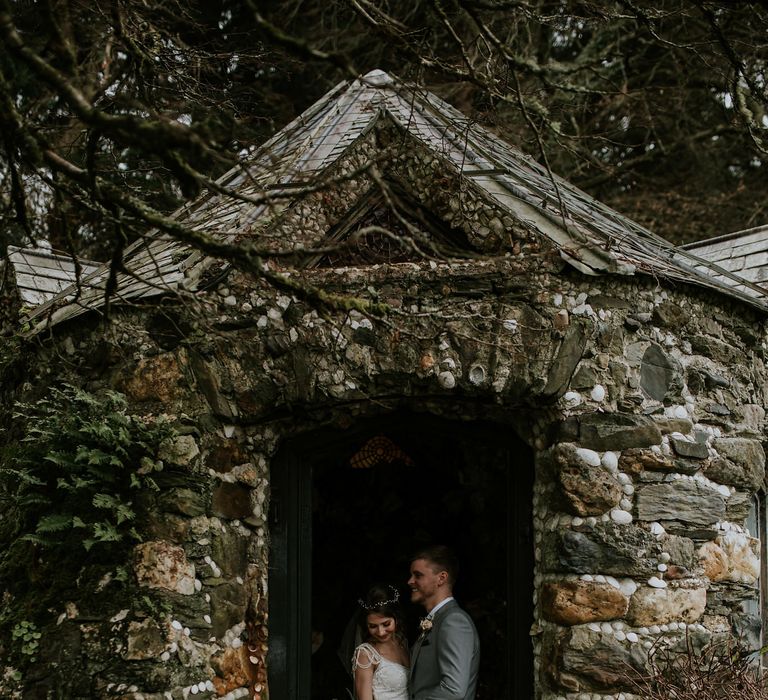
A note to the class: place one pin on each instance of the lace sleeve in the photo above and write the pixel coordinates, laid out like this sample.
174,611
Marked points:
365,656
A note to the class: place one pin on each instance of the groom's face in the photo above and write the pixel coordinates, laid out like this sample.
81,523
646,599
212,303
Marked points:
424,582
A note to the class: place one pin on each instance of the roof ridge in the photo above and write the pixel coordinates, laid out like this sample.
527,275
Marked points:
724,237
589,235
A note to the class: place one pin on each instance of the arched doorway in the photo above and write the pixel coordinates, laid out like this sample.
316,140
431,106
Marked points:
349,507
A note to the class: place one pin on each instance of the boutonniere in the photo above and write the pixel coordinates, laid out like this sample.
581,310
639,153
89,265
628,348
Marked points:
425,624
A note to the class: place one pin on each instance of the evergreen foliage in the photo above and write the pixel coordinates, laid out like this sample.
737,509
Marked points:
72,478
75,471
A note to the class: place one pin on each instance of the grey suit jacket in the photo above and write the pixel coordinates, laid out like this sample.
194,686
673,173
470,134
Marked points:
445,660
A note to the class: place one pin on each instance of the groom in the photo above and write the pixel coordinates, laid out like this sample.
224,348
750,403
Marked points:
446,656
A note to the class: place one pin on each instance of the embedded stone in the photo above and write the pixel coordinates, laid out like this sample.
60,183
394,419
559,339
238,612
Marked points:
637,460
694,379
184,501
258,399
718,409
145,640
167,526
738,506
686,448
160,564
685,500
605,301
681,550
584,378
659,606
588,488
723,471
209,384
578,602
232,501
157,378
568,357
699,534
714,380
713,560
231,671
633,353
180,450
688,467
748,629
224,455
229,550
719,624
674,425
725,353
637,319
660,374
247,473
741,463
742,554
610,548
675,573
670,315
617,431
561,320
589,660
752,416
572,399
228,606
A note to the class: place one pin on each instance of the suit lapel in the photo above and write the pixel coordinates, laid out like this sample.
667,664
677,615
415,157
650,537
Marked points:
415,651
435,624
414,656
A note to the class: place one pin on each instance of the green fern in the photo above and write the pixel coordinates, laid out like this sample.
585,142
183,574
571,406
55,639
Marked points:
71,475
54,523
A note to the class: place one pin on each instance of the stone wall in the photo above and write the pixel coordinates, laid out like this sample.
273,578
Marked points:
643,403
642,497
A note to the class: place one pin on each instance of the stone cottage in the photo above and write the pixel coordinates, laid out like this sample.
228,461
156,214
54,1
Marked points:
428,338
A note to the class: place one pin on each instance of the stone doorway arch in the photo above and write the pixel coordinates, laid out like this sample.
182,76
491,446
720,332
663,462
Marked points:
465,483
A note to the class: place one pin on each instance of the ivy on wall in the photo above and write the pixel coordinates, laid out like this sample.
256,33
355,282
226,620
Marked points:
72,474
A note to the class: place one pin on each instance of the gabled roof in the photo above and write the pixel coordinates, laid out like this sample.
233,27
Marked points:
589,235
743,254
42,275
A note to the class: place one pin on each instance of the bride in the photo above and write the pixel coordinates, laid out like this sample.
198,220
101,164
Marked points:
380,664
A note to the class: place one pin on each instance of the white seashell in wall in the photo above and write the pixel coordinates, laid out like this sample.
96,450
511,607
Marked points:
622,517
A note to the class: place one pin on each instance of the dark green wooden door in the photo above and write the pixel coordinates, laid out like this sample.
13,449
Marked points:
290,579
485,477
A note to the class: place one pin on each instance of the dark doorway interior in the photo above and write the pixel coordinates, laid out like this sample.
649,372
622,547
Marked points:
352,506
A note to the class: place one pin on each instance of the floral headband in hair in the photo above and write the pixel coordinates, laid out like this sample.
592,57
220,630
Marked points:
380,603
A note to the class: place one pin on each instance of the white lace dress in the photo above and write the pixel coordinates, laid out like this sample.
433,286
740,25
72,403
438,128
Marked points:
390,679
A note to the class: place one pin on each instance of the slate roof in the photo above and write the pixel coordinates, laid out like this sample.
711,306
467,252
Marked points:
590,236
744,254
41,275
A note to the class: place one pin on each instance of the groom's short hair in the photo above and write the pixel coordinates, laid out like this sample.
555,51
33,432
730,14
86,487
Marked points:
442,558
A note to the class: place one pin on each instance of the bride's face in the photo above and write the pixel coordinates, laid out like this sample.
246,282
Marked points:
380,627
